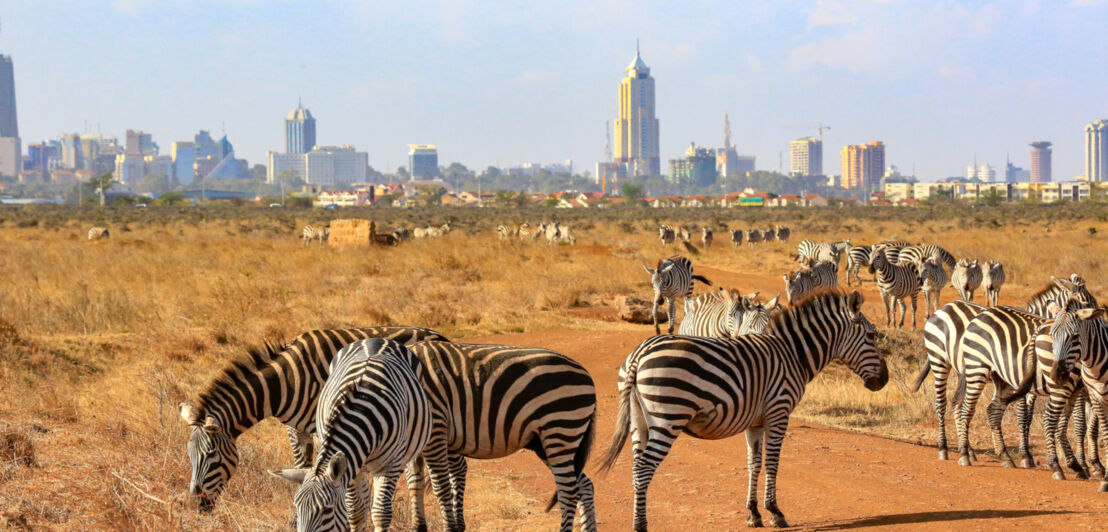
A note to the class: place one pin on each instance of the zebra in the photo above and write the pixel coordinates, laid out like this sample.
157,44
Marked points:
666,235
753,236
856,257
725,314
932,280
966,277
782,233
402,235
490,401
684,233
943,331
714,388
98,233
992,273
1092,361
918,253
893,248
373,416
736,238
807,249
524,231
312,233
671,278
506,233
565,234
807,280
811,250
895,282
706,237
290,376
769,235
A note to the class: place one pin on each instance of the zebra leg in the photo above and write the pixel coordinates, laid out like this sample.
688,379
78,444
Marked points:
384,486
302,449
888,317
438,463
357,502
558,456
1078,466
672,312
654,314
965,415
1025,413
1051,414
995,412
753,469
775,436
1079,426
417,483
586,508
458,471
651,448
1102,427
915,297
903,311
940,373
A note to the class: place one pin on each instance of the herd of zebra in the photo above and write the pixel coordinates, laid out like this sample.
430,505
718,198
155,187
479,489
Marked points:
322,234
554,232
385,400
669,236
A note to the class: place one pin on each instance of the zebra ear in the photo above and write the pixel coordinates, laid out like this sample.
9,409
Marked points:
855,300
1090,313
296,476
1064,284
774,303
337,467
211,425
188,413
648,270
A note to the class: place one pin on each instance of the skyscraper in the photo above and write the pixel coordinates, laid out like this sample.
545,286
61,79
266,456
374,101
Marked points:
863,165
1096,151
806,157
9,126
423,161
1040,162
727,159
637,128
299,130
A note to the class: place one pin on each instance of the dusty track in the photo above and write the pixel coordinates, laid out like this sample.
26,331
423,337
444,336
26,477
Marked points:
830,479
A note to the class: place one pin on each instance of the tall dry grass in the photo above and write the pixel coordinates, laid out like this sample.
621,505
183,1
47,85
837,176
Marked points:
101,340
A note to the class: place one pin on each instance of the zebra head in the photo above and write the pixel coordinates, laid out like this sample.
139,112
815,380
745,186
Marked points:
656,278
1064,331
213,455
756,315
1076,286
857,344
320,499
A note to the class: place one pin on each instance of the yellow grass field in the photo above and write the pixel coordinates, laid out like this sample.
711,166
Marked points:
99,341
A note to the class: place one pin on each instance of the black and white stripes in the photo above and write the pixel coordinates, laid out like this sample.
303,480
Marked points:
895,282
672,278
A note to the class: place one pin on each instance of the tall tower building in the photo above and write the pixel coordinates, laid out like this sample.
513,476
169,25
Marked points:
1040,162
637,128
727,159
806,157
9,126
299,130
863,165
1096,151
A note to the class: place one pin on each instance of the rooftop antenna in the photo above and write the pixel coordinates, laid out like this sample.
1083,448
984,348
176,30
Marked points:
636,46
607,142
726,131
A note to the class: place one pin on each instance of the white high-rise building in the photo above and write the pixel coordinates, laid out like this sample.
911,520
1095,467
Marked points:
806,157
984,173
323,165
1096,151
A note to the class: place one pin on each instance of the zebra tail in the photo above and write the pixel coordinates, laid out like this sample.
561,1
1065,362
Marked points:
702,279
960,390
623,424
581,457
922,376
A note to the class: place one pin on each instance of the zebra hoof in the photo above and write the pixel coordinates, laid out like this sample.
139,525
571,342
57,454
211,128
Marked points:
754,521
943,454
778,521
1007,464
1059,475
964,461
1079,473
1027,462
1103,487
1097,472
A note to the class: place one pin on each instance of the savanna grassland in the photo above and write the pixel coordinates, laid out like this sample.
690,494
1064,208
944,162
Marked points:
99,341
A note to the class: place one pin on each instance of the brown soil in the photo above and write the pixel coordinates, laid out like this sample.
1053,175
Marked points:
830,478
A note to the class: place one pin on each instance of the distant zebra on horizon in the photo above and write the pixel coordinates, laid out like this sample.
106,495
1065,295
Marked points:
311,233
726,314
373,417
672,278
290,376
667,236
992,274
753,236
856,257
932,279
966,277
714,388
895,282
98,233
737,238
706,237
783,233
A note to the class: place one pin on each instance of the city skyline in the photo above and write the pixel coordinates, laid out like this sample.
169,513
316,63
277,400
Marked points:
939,82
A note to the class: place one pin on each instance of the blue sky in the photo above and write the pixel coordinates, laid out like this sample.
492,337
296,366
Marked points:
937,81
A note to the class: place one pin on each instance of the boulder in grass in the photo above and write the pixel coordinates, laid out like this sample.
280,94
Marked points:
636,310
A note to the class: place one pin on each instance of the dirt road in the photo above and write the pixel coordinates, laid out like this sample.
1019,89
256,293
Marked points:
830,479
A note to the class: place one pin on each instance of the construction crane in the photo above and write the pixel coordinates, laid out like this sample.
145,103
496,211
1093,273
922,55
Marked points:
819,127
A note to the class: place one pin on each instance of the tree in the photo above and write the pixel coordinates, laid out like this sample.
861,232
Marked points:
992,197
98,186
632,192
430,195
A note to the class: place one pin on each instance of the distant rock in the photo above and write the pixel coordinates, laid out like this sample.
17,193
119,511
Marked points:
636,310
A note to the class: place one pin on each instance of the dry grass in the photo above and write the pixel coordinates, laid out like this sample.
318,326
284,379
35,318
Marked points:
100,340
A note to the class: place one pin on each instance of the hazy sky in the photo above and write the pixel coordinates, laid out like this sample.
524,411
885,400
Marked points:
938,81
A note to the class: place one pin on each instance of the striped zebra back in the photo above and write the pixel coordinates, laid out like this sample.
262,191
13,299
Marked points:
290,376
943,330
897,280
918,253
807,280
1059,292
857,256
672,277
96,233
996,340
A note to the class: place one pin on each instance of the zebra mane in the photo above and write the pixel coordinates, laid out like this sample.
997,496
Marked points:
254,361
818,298
1047,292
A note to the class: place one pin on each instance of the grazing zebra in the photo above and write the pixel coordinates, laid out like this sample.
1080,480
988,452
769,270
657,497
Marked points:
892,249
992,273
402,235
918,253
312,233
932,279
736,238
807,250
373,417
725,314
807,280
895,282
856,257
966,277
782,234
714,388
506,233
685,234
490,401
666,235
672,278
753,236
943,331
290,377
98,232
706,237
769,235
